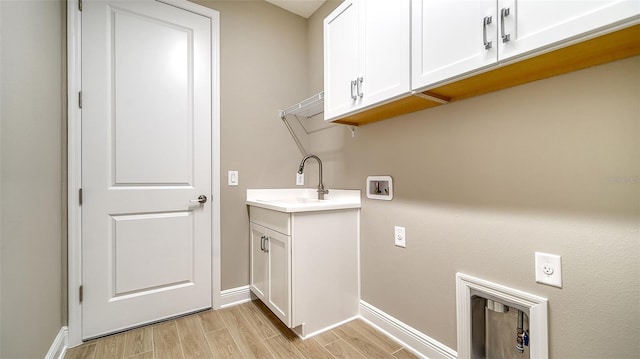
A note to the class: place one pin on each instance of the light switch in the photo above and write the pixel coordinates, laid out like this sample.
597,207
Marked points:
233,178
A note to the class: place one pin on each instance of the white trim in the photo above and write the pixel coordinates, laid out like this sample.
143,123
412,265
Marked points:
234,296
412,339
536,306
74,215
215,158
1,82
299,330
59,345
74,66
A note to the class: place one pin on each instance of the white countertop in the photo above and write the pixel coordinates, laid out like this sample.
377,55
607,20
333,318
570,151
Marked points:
292,200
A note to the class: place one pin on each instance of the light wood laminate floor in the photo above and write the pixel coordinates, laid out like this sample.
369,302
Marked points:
248,330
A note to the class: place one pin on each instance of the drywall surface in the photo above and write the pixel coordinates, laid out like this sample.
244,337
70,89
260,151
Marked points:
31,150
481,184
263,66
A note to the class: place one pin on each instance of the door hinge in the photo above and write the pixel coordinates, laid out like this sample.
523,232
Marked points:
80,196
81,294
80,5
80,99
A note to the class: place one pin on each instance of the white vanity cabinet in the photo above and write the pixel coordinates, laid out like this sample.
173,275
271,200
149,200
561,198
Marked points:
304,266
453,38
366,55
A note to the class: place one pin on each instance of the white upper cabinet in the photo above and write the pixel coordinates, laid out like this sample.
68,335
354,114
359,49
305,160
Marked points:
367,55
385,34
340,60
536,24
452,38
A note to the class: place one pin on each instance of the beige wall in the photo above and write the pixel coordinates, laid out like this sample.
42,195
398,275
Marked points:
482,184
263,69
31,169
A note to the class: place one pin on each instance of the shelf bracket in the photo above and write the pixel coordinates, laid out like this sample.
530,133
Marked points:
353,130
283,117
433,98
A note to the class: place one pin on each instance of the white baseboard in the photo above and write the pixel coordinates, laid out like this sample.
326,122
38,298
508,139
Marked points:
412,339
235,296
59,345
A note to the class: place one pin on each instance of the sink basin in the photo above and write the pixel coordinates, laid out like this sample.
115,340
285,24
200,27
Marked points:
302,199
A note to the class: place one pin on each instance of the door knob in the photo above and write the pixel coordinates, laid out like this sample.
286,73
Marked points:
201,199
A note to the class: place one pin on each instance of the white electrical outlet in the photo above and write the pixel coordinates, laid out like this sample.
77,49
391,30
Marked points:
549,269
233,178
299,179
400,237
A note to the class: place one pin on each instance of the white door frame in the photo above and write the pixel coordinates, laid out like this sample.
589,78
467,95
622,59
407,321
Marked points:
74,164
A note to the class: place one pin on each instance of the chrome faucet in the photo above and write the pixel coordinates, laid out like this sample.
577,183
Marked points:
321,190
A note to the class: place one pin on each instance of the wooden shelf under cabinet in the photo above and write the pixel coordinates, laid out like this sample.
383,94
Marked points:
606,48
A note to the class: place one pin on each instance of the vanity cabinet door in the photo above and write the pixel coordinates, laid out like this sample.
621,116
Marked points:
271,270
279,275
259,262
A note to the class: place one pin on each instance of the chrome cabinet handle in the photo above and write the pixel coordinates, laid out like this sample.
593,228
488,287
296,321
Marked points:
263,244
201,199
359,86
504,13
486,21
353,90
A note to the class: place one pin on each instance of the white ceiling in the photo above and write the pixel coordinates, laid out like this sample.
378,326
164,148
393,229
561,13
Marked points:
304,8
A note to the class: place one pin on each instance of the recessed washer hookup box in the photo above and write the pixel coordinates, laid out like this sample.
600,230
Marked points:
380,187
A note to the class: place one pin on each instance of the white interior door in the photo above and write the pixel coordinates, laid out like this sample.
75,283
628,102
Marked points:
146,158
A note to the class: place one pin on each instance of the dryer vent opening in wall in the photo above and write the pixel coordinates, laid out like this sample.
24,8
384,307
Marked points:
498,330
380,187
482,313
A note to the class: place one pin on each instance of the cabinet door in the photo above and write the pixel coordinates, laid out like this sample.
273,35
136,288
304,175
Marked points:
340,59
536,24
279,278
259,262
451,38
384,45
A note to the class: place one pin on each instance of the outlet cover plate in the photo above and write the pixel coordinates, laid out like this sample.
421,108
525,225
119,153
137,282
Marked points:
400,237
549,269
